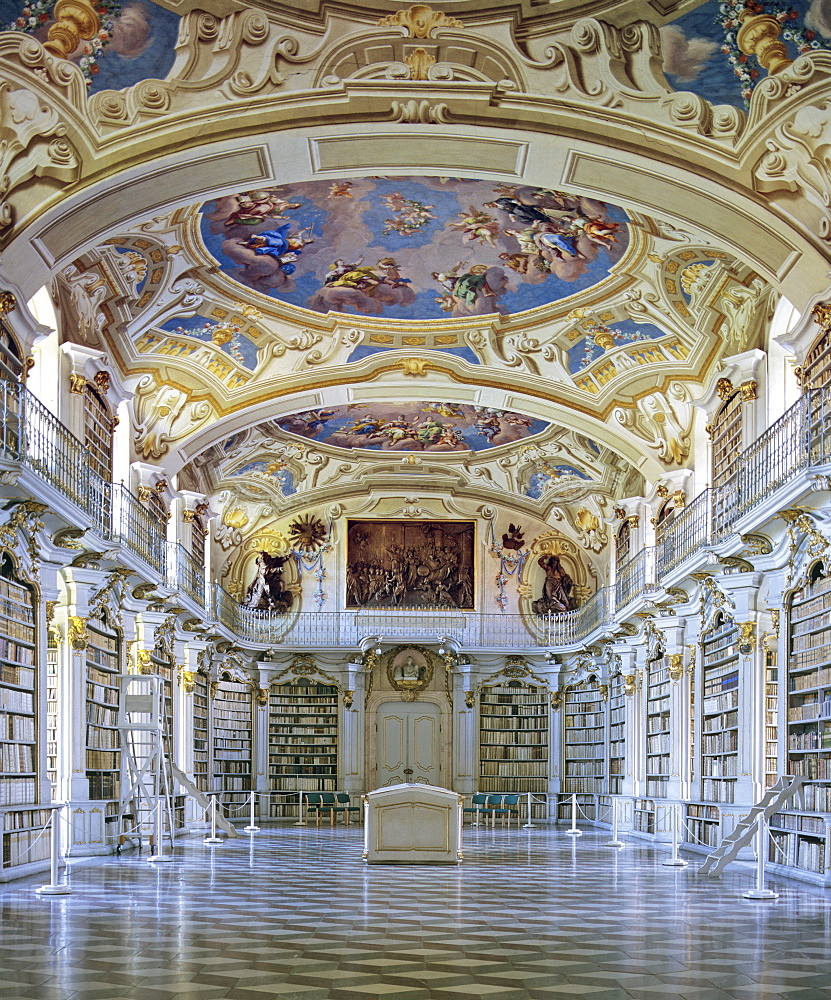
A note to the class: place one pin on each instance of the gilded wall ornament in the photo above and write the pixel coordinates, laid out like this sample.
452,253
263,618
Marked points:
348,698
470,699
724,388
747,637
262,697
676,666
748,390
144,662
420,21
77,384
76,632
630,685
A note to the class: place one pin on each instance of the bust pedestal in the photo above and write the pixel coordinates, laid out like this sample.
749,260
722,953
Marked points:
413,824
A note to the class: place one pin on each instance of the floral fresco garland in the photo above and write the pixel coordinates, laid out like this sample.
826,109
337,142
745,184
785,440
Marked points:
746,67
38,15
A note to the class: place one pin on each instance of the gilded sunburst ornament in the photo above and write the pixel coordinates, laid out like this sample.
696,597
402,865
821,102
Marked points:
308,532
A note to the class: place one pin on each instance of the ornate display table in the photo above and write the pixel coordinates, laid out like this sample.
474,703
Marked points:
413,824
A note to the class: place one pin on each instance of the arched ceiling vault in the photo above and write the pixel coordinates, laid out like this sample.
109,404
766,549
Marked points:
105,195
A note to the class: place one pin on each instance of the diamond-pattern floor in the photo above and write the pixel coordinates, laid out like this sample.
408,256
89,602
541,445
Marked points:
293,913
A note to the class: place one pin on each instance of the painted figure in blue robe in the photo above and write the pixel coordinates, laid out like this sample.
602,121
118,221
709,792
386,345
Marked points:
278,244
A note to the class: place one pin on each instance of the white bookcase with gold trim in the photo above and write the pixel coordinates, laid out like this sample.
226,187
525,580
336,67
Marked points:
303,736
513,736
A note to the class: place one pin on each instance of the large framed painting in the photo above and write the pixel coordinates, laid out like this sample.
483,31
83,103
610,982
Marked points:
410,564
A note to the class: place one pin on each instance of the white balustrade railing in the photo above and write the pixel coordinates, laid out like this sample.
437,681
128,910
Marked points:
688,531
635,576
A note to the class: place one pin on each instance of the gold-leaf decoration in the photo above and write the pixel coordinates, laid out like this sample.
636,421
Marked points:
308,532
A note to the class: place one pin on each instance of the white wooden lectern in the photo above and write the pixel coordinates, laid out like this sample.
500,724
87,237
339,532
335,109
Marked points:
413,824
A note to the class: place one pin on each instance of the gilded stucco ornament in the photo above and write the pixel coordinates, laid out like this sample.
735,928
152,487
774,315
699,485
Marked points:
187,680
747,637
76,632
676,666
420,21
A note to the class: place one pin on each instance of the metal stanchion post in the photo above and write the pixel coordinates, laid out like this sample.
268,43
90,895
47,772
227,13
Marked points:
158,853
300,820
252,826
760,892
529,825
614,842
675,861
54,888
574,832
213,839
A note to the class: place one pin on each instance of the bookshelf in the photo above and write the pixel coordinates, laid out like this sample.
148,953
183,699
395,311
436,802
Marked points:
232,716
643,816
200,731
800,841
52,640
702,822
513,738
303,737
102,669
18,693
24,839
720,713
617,735
584,739
771,718
809,691
657,727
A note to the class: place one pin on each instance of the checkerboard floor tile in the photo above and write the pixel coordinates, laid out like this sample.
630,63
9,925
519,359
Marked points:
293,914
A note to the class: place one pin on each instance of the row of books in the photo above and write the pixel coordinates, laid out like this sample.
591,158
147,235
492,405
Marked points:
18,652
575,784
511,710
105,695
810,709
102,658
584,768
720,703
298,783
584,697
796,852
325,718
305,741
494,697
286,760
695,809
657,705
25,819
20,630
103,786
16,701
811,766
816,624
720,767
617,731
229,715
103,739
17,727
98,715
17,791
658,744
590,751
658,765
574,734
232,740
489,737
16,758
658,723
103,760
510,769
234,755
24,847
701,832
809,658
718,791
283,769
726,721
303,730
811,739
726,742
498,725
222,766
658,676
815,679
594,719
805,824
809,609
815,640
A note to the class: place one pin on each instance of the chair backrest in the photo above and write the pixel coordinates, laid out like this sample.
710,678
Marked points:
313,798
479,799
342,796
510,800
494,801
328,798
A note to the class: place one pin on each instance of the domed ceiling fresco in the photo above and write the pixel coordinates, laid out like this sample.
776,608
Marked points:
414,247
412,426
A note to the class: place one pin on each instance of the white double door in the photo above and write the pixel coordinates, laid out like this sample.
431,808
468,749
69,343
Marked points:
408,743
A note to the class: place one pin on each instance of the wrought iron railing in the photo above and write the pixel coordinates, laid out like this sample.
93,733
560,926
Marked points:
684,534
134,524
185,572
635,576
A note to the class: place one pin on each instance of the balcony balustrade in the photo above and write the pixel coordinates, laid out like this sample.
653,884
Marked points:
34,439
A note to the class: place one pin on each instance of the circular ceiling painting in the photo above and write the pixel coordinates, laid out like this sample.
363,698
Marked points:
414,247
412,426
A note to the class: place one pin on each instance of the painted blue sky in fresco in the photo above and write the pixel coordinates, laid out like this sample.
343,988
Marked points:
693,56
414,247
624,331
139,44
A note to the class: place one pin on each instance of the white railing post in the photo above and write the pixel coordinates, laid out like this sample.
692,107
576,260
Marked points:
574,832
760,892
54,888
252,826
213,840
614,842
300,820
529,825
675,861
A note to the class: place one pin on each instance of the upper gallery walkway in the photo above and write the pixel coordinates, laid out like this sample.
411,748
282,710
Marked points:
42,457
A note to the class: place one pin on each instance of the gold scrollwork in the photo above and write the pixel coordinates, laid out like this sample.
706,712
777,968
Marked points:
724,388
102,381
470,699
187,678
748,390
557,699
143,662
348,698
747,637
630,684
262,697
77,384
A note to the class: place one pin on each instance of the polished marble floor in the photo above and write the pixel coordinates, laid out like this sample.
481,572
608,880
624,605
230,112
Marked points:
293,913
